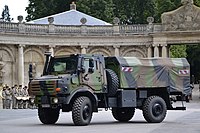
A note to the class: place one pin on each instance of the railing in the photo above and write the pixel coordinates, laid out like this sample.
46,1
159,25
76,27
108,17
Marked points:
133,29
62,29
39,29
9,27
98,30
77,30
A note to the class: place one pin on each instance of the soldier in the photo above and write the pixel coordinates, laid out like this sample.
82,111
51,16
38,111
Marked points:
3,97
14,97
26,97
8,97
19,98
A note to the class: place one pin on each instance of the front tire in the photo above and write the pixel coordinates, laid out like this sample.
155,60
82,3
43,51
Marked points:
154,109
123,114
82,111
48,115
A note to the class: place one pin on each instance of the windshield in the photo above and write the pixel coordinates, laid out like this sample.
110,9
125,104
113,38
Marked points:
66,65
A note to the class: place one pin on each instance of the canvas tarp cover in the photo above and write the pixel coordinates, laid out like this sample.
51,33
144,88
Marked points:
173,73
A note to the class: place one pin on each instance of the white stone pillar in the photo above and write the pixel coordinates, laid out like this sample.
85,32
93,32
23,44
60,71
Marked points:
149,50
51,49
164,51
84,49
156,51
117,50
21,65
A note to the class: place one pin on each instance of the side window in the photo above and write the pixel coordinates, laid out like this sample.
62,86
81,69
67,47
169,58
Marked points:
89,63
86,63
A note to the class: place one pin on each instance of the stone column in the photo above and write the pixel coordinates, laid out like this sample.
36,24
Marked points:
117,50
84,49
51,49
156,51
164,50
21,65
149,50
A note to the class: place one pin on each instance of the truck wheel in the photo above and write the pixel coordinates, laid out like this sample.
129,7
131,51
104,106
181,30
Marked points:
82,111
48,115
123,114
113,82
154,109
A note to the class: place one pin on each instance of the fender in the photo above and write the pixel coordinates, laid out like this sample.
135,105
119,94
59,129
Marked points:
83,91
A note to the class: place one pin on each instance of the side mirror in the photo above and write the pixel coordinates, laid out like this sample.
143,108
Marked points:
91,70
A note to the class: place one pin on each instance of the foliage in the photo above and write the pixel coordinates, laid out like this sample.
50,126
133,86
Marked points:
162,6
5,14
178,51
42,8
102,9
133,11
193,52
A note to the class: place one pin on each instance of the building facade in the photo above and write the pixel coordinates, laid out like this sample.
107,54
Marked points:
22,44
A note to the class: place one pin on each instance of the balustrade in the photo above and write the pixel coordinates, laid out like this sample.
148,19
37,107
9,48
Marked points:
82,29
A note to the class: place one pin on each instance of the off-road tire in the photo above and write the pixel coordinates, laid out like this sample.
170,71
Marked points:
48,115
112,81
82,111
123,114
154,109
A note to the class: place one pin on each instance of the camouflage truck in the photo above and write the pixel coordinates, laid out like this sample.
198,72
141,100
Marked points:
84,83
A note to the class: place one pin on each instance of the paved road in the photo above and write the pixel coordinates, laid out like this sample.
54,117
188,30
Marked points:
26,121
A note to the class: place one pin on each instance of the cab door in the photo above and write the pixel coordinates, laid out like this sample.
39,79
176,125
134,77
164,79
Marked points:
92,73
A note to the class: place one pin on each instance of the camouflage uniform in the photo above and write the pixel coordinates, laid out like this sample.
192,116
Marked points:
25,94
20,94
8,97
14,97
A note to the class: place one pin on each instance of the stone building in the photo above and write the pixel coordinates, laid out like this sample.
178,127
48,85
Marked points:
25,43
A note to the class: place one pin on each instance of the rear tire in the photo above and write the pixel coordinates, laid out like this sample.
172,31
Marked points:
123,114
82,111
113,82
48,115
154,109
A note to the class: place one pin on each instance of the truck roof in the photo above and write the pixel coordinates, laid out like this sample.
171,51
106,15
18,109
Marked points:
134,61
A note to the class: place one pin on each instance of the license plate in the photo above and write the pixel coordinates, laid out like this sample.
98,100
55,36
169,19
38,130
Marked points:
45,105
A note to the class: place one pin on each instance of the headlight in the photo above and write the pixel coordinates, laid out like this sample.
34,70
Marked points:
55,100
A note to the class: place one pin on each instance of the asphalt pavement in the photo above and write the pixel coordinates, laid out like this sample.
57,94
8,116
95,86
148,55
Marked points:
26,121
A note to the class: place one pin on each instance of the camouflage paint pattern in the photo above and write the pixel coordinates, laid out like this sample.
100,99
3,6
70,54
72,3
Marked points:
95,81
133,73
42,87
173,73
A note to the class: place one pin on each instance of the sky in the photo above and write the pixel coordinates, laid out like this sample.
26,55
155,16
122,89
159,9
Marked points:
16,8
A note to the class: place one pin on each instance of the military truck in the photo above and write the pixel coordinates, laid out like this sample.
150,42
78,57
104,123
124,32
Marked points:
84,83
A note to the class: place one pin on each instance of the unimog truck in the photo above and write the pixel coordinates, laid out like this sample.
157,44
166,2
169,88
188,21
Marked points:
84,83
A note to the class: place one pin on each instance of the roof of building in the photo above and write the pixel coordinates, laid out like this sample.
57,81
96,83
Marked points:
71,17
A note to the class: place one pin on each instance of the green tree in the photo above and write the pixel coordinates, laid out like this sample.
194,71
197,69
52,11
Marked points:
42,8
162,6
133,11
102,9
178,51
193,58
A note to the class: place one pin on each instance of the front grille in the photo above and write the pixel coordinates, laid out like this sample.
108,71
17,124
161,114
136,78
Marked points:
42,88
